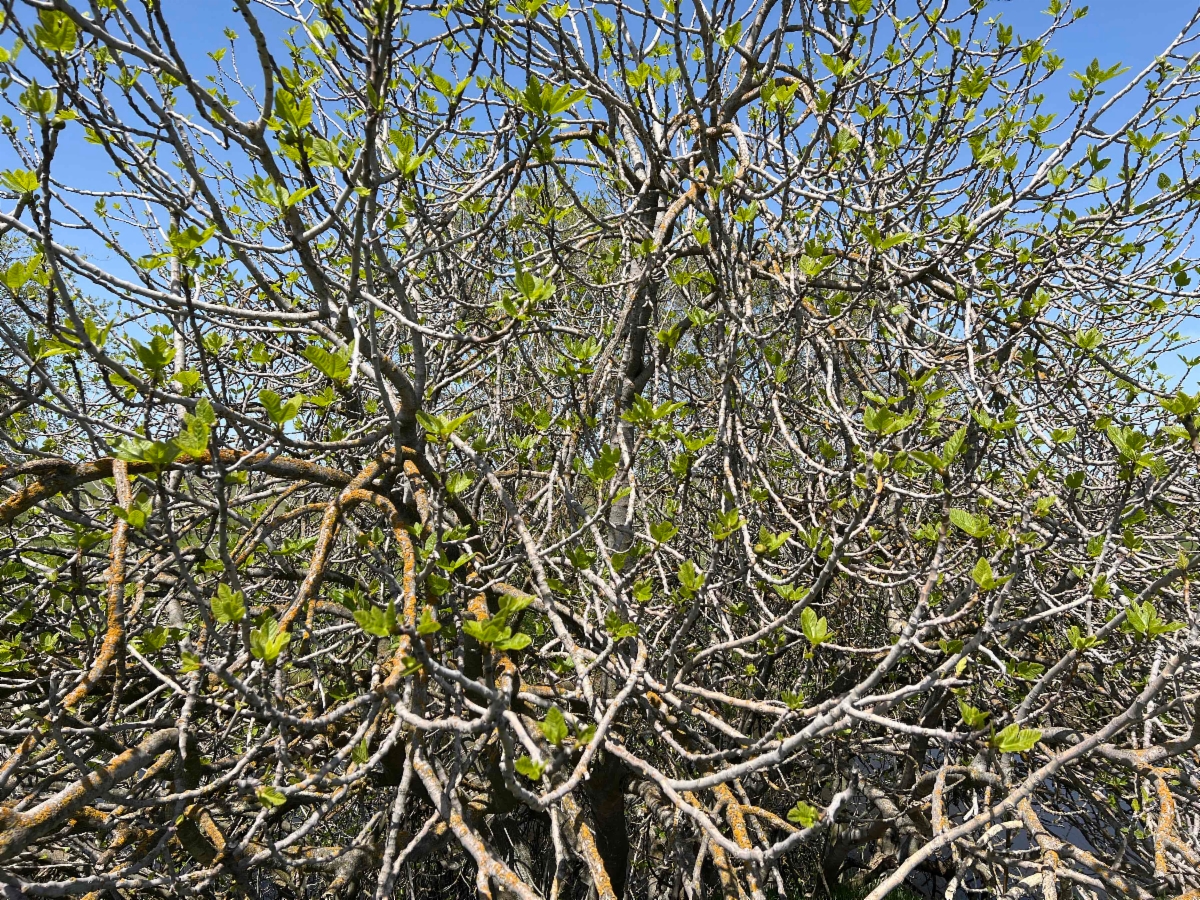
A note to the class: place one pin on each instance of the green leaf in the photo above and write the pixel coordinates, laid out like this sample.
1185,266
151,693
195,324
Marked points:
618,627
494,631
409,665
983,575
554,727
1079,641
428,624
19,181
1182,404
334,366
974,525
361,752
691,579
605,465
530,769
155,356
1025,669
1089,339
953,446
730,35
19,273
986,578
280,411
137,515
267,641
270,797
376,621
152,640
37,101
880,243
1128,442
532,288
815,629
769,543
972,716
439,428
228,606
55,31
1015,739
458,482
188,662
793,699
295,113
790,592
662,532
1063,435
884,422
1137,619
193,437
158,454
188,381
518,641
1094,75
186,242
1144,619
804,815
294,546
725,524
511,604
297,195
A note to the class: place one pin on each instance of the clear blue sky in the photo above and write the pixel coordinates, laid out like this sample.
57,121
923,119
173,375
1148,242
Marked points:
1129,31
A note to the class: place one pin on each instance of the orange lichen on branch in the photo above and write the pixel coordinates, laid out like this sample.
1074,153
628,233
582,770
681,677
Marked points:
490,869
326,536
585,836
19,829
731,888
55,476
737,826
114,632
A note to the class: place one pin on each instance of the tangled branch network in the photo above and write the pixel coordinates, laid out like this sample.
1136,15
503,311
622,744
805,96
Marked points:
669,449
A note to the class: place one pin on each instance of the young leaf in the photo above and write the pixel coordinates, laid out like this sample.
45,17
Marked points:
815,629
554,727
281,411
530,769
1015,739
663,531
193,437
518,641
974,525
804,815
267,641
376,621
334,366
55,31
619,628
228,606
428,624
270,797
19,181
1079,641
972,716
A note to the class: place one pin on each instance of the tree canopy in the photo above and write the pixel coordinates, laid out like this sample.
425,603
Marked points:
588,449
